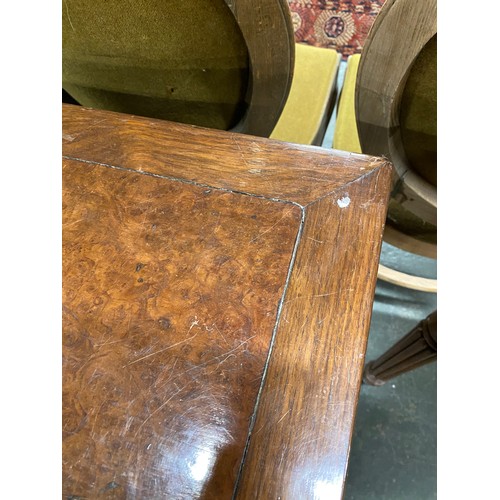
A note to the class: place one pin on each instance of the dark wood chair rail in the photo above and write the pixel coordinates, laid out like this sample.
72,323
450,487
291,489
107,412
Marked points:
417,348
217,294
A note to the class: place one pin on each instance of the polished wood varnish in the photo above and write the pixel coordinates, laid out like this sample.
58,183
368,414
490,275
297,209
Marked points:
217,291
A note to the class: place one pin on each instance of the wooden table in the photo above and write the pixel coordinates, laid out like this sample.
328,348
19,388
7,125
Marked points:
217,293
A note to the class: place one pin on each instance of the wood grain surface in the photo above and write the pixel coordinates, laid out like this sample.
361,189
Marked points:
237,162
217,293
170,298
306,410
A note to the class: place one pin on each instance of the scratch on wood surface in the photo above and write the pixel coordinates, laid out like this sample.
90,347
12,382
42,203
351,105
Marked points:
161,406
307,297
227,355
310,441
321,179
95,419
260,428
67,224
110,342
283,417
220,333
228,433
172,374
162,350
222,361
217,225
288,212
340,404
126,428
194,323
221,355
372,201
242,154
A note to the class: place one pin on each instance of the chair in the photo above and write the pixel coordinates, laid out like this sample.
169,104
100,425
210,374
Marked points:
312,96
388,107
417,348
225,65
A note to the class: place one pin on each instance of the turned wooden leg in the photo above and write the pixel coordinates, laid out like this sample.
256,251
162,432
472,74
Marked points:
415,349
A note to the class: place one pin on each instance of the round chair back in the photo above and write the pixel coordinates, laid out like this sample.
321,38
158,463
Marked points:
396,114
218,64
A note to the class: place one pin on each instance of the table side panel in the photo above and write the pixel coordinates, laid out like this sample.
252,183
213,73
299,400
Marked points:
306,411
170,296
236,162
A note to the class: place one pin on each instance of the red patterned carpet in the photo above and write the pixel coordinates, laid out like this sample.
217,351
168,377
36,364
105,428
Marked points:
337,24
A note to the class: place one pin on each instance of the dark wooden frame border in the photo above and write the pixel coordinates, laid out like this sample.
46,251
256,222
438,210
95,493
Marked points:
268,32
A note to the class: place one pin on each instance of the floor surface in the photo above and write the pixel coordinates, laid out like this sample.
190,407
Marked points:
393,452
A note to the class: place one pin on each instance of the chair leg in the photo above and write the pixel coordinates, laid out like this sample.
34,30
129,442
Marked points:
415,349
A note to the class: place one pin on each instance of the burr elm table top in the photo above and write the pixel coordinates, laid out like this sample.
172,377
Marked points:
217,293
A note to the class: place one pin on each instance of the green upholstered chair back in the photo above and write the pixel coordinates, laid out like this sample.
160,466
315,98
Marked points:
396,110
418,113
200,61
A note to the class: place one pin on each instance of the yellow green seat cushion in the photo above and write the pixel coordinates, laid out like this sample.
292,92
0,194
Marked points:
179,61
345,135
309,104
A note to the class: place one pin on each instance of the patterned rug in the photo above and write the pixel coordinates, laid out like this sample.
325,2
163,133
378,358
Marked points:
337,24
